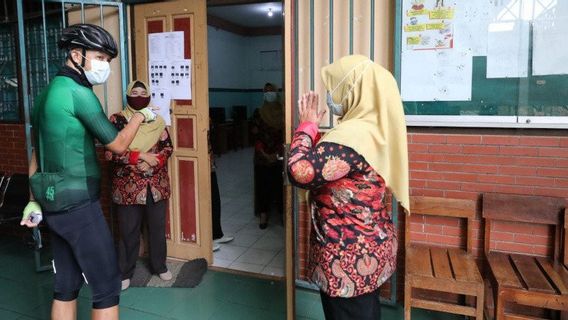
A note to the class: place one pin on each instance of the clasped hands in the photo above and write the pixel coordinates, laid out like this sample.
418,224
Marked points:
146,161
308,108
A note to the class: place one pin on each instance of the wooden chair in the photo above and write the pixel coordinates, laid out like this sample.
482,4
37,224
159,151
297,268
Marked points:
445,270
524,279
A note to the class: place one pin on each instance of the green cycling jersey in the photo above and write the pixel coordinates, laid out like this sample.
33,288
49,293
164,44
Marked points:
67,117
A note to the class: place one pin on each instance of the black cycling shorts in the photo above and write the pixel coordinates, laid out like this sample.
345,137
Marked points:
83,251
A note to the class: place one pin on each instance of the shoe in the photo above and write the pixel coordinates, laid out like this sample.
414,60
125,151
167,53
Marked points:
166,276
263,221
224,239
125,284
216,247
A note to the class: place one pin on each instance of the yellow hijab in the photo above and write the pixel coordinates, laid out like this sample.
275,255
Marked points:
373,123
148,133
272,113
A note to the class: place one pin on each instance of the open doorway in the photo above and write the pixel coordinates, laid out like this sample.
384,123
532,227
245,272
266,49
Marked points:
245,54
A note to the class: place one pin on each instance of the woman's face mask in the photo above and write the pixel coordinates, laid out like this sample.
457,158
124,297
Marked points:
270,96
138,98
335,108
138,102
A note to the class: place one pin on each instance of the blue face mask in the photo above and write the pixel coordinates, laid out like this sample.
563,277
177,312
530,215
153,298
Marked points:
335,108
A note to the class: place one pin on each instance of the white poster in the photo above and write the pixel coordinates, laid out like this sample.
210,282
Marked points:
166,45
156,46
180,79
158,74
174,45
160,103
550,31
442,75
508,49
471,25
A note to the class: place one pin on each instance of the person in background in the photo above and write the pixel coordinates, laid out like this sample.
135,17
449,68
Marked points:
65,175
268,132
218,236
353,242
141,186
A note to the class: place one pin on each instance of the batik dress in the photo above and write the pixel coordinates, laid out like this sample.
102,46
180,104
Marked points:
353,242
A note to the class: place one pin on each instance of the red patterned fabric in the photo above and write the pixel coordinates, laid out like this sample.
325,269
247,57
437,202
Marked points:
353,242
129,185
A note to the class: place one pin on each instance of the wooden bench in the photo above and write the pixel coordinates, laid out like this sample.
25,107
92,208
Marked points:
536,282
445,270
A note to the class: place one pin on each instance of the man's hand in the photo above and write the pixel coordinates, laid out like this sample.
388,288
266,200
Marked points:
32,215
148,114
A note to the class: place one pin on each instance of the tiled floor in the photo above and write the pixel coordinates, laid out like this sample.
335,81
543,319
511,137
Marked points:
26,295
253,250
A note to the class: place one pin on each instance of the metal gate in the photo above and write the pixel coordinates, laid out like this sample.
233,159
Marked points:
38,59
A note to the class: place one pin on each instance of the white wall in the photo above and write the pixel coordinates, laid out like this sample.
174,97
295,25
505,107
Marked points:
234,60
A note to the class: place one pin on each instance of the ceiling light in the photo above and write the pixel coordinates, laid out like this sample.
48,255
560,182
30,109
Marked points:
270,12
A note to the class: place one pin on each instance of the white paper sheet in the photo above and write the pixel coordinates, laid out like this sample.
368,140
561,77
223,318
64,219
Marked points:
160,103
174,45
443,75
508,49
180,79
158,74
550,45
156,46
471,25
166,45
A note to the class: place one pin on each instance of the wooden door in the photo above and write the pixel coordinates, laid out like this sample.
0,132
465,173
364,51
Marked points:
188,226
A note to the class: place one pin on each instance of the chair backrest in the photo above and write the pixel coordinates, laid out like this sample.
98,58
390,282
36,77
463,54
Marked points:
18,191
443,207
4,180
525,209
217,115
239,113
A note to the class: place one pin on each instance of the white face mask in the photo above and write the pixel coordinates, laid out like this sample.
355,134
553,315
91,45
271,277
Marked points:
270,96
99,73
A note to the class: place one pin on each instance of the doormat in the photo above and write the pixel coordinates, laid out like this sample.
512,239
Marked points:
184,274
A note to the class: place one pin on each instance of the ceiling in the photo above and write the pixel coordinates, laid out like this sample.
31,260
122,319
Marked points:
253,15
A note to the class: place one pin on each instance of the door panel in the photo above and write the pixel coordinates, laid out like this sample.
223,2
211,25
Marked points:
189,215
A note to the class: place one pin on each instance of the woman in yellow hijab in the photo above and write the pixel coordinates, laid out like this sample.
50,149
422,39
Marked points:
141,187
353,242
268,131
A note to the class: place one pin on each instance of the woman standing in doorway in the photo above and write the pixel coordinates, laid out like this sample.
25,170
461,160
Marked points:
141,187
353,242
268,131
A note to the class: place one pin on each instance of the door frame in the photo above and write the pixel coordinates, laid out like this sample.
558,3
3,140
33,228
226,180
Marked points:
290,97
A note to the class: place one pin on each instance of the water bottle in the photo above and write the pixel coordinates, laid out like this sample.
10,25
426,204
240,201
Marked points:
36,217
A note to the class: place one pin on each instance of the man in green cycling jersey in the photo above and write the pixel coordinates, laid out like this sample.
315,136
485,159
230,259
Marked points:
65,175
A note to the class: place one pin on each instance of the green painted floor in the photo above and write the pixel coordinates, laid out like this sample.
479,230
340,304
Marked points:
25,294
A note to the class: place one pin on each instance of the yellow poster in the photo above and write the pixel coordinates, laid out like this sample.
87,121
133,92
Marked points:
428,24
442,13
415,28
